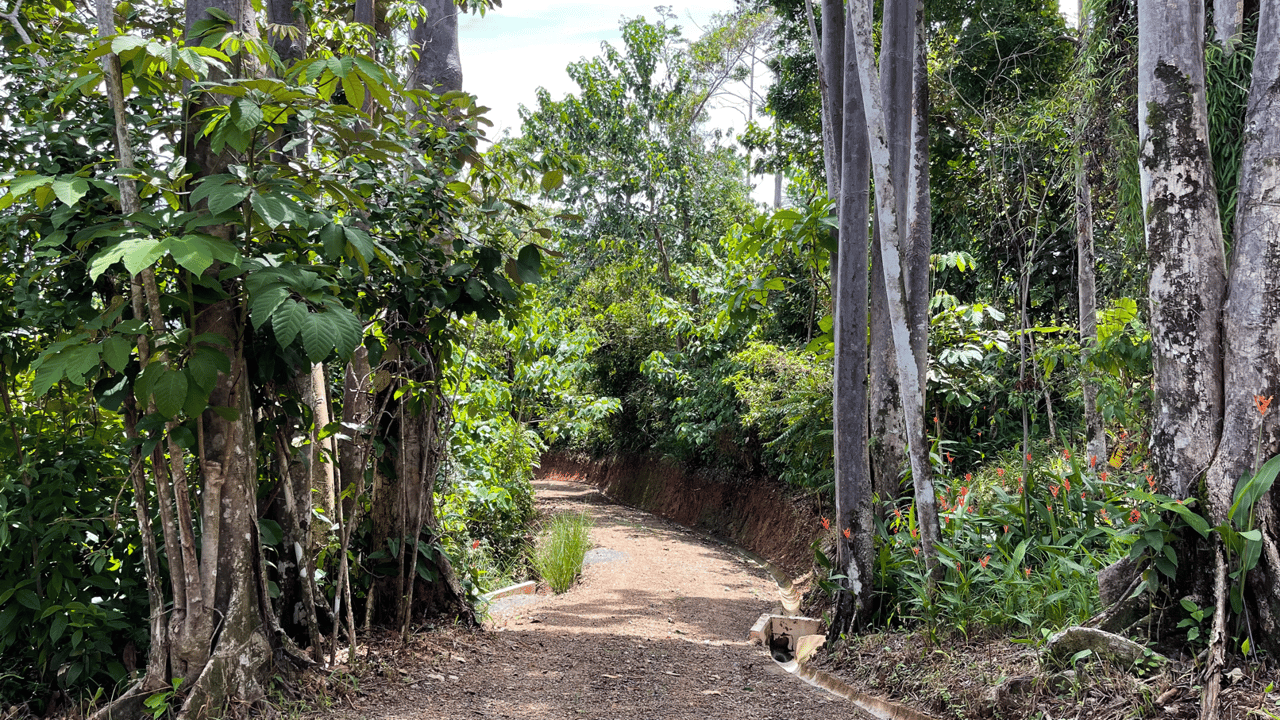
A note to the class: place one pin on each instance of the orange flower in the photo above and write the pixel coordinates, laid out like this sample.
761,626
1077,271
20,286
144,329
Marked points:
897,512
1028,457
1006,529
999,472
826,524
959,566
1027,571
1093,461
915,532
475,544
968,477
950,459
846,533
964,489
984,561
1262,403
1084,496
1104,476
1054,489
1066,453
916,550
1134,515
1066,484
1103,513
1151,481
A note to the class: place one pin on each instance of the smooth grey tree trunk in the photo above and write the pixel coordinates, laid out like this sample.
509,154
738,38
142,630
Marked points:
1228,22
855,553
892,233
439,66
1184,241
1095,435
1251,361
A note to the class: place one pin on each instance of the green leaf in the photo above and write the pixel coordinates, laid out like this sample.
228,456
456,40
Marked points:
197,253
58,627
246,114
319,336
115,351
529,263
288,321
263,304
70,191
224,197
1192,518
275,209
126,42
348,331
204,366
552,180
269,532
334,241
170,392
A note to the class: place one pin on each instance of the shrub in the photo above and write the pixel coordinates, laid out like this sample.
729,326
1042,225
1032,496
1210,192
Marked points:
559,555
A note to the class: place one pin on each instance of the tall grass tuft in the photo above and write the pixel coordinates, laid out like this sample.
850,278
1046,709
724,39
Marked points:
559,553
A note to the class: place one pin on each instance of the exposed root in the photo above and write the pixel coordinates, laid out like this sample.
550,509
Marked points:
1217,637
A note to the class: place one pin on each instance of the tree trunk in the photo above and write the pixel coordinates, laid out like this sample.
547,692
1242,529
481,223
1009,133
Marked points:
888,434
1095,436
1251,368
856,551
439,66
891,242
1228,22
1184,241
415,584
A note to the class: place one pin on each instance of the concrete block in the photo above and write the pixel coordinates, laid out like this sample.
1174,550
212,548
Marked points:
806,645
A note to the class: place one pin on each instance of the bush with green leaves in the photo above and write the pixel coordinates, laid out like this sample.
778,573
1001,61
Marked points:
560,552
72,592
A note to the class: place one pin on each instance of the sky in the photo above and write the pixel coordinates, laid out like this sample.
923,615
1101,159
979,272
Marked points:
526,44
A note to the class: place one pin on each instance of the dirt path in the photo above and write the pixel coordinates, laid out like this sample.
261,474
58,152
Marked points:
655,629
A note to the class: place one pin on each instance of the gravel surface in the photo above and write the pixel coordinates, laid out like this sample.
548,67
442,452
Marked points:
655,629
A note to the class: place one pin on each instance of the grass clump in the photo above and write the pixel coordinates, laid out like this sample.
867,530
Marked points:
559,554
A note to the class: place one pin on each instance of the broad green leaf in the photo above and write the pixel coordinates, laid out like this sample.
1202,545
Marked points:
142,254
70,191
246,114
263,304
319,336
115,351
348,332
205,364
126,42
275,209
334,241
354,90
270,532
80,361
552,180
170,392
529,263
288,321
1192,518
57,627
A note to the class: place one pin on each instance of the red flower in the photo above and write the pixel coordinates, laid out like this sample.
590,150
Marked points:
968,477
959,566
1028,457
1006,529
1093,461
1134,515
1151,481
1066,453
1066,484
1027,571
1054,489
1104,476
950,459
898,513
1262,403
916,550
964,489
475,544
999,472
1103,513
846,533
915,532
1084,496
826,524
984,561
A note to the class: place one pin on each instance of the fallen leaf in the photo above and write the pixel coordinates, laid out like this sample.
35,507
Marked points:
712,692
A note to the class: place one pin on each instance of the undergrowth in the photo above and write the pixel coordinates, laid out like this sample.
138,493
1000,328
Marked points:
559,554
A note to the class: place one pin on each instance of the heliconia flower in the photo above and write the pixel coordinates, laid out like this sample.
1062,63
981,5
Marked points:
475,544
950,459
1151,481
1104,476
1028,572
1006,529
999,472
898,513
846,533
968,477
915,550
984,561
1093,461
1028,457
964,489
1134,515
1066,484
1102,512
1066,453
915,532
959,566
1084,496
1054,489
826,524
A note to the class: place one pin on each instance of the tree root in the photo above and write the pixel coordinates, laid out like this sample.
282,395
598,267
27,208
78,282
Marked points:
1217,636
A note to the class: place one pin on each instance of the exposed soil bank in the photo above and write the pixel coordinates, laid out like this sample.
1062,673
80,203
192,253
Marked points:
751,513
